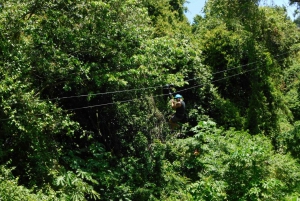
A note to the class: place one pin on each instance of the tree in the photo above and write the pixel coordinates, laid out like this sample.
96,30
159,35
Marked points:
83,108
295,2
297,21
236,165
241,53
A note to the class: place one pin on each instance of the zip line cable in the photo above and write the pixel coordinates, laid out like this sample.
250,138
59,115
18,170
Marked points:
103,93
154,87
131,100
218,80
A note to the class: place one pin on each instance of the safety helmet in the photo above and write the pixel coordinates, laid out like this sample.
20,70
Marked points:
178,96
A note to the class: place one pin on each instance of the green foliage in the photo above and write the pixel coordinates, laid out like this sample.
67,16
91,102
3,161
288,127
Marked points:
290,141
236,165
297,21
107,138
73,187
246,35
228,115
28,131
167,17
290,87
11,190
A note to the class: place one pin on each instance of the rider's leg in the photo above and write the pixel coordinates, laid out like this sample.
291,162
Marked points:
173,122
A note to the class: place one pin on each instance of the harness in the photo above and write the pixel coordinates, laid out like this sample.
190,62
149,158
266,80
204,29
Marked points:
180,112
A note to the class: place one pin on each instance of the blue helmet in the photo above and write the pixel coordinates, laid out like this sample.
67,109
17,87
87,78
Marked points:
178,96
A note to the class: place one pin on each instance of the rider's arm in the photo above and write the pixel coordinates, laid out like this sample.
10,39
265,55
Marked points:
175,104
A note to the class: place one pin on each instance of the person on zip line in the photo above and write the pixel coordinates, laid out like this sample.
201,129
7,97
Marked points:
177,104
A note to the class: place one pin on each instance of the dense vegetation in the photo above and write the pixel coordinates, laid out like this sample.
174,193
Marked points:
84,107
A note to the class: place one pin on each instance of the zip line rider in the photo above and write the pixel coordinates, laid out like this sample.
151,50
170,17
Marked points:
179,105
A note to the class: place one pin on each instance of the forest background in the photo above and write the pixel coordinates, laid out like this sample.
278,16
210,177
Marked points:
195,7
84,101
